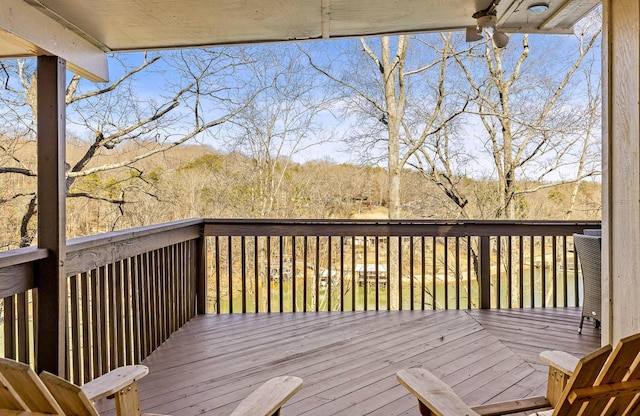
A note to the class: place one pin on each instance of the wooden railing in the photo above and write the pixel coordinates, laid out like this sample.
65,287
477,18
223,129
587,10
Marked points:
128,291
17,284
281,266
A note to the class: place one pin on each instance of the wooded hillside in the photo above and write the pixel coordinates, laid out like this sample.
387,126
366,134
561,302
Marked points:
196,181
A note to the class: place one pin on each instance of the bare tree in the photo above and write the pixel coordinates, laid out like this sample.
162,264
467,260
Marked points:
531,112
592,115
120,122
282,122
397,90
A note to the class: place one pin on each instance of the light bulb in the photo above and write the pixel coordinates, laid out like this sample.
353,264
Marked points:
538,8
500,39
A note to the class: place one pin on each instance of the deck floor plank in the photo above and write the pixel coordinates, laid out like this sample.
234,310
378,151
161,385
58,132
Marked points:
348,360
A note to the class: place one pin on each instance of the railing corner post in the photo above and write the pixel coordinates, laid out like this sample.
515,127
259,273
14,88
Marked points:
484,276
201,274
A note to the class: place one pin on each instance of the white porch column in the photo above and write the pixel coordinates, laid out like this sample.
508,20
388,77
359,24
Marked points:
621,169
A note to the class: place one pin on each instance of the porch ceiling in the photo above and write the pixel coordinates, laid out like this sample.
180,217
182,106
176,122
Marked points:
81,31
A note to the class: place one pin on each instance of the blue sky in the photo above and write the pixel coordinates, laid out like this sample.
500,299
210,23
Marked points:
549,56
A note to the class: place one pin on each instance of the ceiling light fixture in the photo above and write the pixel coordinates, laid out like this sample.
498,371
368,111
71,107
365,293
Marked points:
500,39
473,34
487,19
538,8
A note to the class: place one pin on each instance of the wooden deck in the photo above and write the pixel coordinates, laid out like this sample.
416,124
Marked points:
348,360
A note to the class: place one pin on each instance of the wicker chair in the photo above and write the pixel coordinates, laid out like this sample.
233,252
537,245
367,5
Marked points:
592,231
588,249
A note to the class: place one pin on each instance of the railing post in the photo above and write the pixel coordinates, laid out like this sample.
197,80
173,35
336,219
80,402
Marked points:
485,272
51,280
201,274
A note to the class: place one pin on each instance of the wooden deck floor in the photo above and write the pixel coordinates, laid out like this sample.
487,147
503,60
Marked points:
348,360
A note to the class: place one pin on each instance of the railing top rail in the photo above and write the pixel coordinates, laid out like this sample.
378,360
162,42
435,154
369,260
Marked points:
21,256
83,243
88,253
442,228
17,269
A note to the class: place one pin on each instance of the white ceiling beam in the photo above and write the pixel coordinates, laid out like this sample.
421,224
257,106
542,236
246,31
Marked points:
326,19
567,14
45,36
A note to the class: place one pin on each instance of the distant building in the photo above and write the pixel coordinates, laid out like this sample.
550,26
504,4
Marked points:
370,273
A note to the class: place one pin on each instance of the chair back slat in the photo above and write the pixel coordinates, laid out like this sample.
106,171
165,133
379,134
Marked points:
9,399
617,371
619,367
69,396
584,375
634,407
29,387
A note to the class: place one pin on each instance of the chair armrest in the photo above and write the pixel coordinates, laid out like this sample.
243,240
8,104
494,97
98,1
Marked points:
513,406
269,397
114,381
433,393
560,360
561,366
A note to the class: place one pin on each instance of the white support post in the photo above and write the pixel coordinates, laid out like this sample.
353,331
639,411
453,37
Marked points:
621,169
